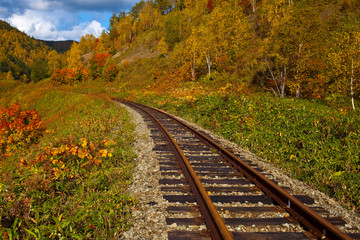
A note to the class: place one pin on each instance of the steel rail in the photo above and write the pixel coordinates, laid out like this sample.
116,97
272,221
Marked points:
212,218
316,224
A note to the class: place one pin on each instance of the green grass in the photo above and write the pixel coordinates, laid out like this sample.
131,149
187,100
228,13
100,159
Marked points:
65,195
309,140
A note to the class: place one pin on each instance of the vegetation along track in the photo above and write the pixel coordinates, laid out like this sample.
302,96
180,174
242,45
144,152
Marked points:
226,196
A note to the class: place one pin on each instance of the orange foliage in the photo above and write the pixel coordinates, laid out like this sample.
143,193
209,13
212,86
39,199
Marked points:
56,159
126,63
109,72
97,63
100,59
18,129
173,79
182,74
69,76
223,63
315,88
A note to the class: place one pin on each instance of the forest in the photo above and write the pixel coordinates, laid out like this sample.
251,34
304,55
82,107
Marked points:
284,72
301,49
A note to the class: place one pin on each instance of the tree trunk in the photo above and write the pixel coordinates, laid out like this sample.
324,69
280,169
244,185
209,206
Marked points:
283,83
351,84
273,77
297,73
193,67
208,63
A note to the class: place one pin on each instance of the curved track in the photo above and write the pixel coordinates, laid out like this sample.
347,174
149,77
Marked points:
227,197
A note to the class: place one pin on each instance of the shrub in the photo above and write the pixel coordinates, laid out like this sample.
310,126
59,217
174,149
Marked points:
18,129
110,70
97,64
69,76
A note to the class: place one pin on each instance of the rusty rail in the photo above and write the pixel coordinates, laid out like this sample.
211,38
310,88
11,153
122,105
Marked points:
316,224
212,218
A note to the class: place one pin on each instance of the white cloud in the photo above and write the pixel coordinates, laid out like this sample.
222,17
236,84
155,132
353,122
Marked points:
40,4
77,5
61,19
50,25
77,31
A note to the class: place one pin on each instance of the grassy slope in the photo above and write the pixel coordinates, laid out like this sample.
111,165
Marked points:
310,140
80,199
314,141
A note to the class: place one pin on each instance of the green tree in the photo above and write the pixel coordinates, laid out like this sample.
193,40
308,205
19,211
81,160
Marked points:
165,6
135,11
175,29
39,70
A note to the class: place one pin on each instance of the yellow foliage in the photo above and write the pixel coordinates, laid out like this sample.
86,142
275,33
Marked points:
84,142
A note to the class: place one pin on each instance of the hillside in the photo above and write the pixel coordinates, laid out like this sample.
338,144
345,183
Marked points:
22,57
279,78
59,46
254,71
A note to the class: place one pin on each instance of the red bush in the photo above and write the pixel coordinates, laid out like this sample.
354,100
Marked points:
18,129
210,5
69,76
97,63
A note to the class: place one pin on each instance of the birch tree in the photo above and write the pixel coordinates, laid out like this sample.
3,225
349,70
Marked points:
344,58
277,46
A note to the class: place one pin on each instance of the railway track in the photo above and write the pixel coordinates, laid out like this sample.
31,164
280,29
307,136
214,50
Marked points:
215,194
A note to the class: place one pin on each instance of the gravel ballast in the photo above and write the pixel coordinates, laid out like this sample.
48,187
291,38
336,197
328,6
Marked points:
149,214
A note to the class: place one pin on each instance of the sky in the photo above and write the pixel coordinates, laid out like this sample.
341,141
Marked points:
61,19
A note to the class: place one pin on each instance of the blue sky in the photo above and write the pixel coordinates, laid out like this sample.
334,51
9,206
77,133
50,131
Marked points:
61,19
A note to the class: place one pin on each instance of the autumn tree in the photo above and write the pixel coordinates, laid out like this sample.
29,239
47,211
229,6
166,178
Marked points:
308,38
110,70
114,20
164,6
175,28
97,63
345,63
54,62
126,31
163,47
135,11
231,35
69,76
205,45
74,57
86,43
192,51
19,52
225,34
103,44
277,45
149,16
9,76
